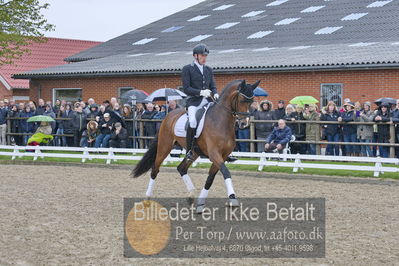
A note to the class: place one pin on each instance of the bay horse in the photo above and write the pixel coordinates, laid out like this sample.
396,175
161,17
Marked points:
216,141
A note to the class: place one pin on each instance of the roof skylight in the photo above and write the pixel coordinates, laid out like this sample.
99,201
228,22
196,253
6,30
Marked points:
229,51
354,16
379,3
198,18
223,7
362,44
144,41
259,34
199,38
312,9
277,3
226,25
172,29
300,47
263,49
253,14
328,30
286,21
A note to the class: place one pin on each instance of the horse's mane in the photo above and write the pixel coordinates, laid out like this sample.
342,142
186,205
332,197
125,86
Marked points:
229,86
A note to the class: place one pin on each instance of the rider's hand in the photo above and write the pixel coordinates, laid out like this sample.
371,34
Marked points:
216,96
206,93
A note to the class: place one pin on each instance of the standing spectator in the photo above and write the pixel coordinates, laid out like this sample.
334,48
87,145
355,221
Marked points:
32,106
6,104
57,106
365,132
311,129
243,133
90,102
298,129
395,119
105,126
93,112
172,105
149,127
85,108
27,128
14,114
79,122
332,131
60,141
119,136
116,108
279,113
108,106
349,131
41,107
101,111
279,137
90,134
263,130
3,123
383,115
49,112
127,116
68,123
160,115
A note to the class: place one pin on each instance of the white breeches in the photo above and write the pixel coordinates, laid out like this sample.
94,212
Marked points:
192,110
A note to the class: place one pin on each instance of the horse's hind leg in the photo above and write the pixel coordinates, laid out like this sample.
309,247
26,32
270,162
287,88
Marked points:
204,192
163,149
182,168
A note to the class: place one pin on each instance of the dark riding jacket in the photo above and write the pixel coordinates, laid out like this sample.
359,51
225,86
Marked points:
193,82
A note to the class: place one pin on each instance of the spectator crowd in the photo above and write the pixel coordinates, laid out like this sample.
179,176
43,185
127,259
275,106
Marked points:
110,124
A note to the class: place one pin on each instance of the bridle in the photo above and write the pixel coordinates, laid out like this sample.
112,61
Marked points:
234,106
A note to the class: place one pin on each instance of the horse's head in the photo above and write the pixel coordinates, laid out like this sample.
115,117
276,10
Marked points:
244,97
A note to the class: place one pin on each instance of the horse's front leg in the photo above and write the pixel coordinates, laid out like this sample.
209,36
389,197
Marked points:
204,192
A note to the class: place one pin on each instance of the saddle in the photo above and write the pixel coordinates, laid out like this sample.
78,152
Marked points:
199,114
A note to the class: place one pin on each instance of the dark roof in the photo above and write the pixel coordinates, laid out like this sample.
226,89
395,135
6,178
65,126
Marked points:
341,56
338,34
379,24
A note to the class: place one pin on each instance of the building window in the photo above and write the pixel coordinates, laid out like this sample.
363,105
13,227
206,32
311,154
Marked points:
331,92
121,91
67,94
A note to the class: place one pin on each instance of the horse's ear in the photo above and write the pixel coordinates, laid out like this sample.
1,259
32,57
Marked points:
242,85
255,85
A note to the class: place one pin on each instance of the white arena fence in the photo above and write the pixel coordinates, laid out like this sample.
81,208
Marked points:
295,161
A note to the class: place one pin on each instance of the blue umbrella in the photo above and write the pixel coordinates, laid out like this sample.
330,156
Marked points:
260,92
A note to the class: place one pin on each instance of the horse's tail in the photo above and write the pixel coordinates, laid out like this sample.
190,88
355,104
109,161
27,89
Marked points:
148,160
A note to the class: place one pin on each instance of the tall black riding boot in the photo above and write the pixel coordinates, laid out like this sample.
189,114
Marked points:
190,140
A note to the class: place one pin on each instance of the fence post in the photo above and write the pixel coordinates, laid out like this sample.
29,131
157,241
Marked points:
318,146
252,134
141,133
8,131
392,140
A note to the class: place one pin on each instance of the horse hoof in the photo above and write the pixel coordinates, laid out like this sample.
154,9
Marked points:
200,209
233,203
190,198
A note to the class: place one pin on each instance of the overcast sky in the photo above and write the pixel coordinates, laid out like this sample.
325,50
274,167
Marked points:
101,20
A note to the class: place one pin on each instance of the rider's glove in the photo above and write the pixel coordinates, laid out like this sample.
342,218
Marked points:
206,93
216,96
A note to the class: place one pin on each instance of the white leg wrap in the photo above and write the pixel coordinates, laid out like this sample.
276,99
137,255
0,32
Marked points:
187,181
203,195
229,186
150,187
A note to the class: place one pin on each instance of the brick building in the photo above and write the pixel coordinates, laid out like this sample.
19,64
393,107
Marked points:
317,48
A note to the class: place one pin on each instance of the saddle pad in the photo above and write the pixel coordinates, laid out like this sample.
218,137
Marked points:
180,126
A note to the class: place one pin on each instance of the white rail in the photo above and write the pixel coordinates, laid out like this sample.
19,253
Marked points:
297,161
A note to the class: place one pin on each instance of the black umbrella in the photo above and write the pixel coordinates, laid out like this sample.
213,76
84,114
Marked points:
134,95
166,94
385,100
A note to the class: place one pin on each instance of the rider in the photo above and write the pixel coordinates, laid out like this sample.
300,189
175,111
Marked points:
199,85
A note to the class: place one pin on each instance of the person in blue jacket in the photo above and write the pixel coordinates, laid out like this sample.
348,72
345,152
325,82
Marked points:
279,137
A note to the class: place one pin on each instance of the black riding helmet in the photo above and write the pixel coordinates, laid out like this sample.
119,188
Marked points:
201,49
